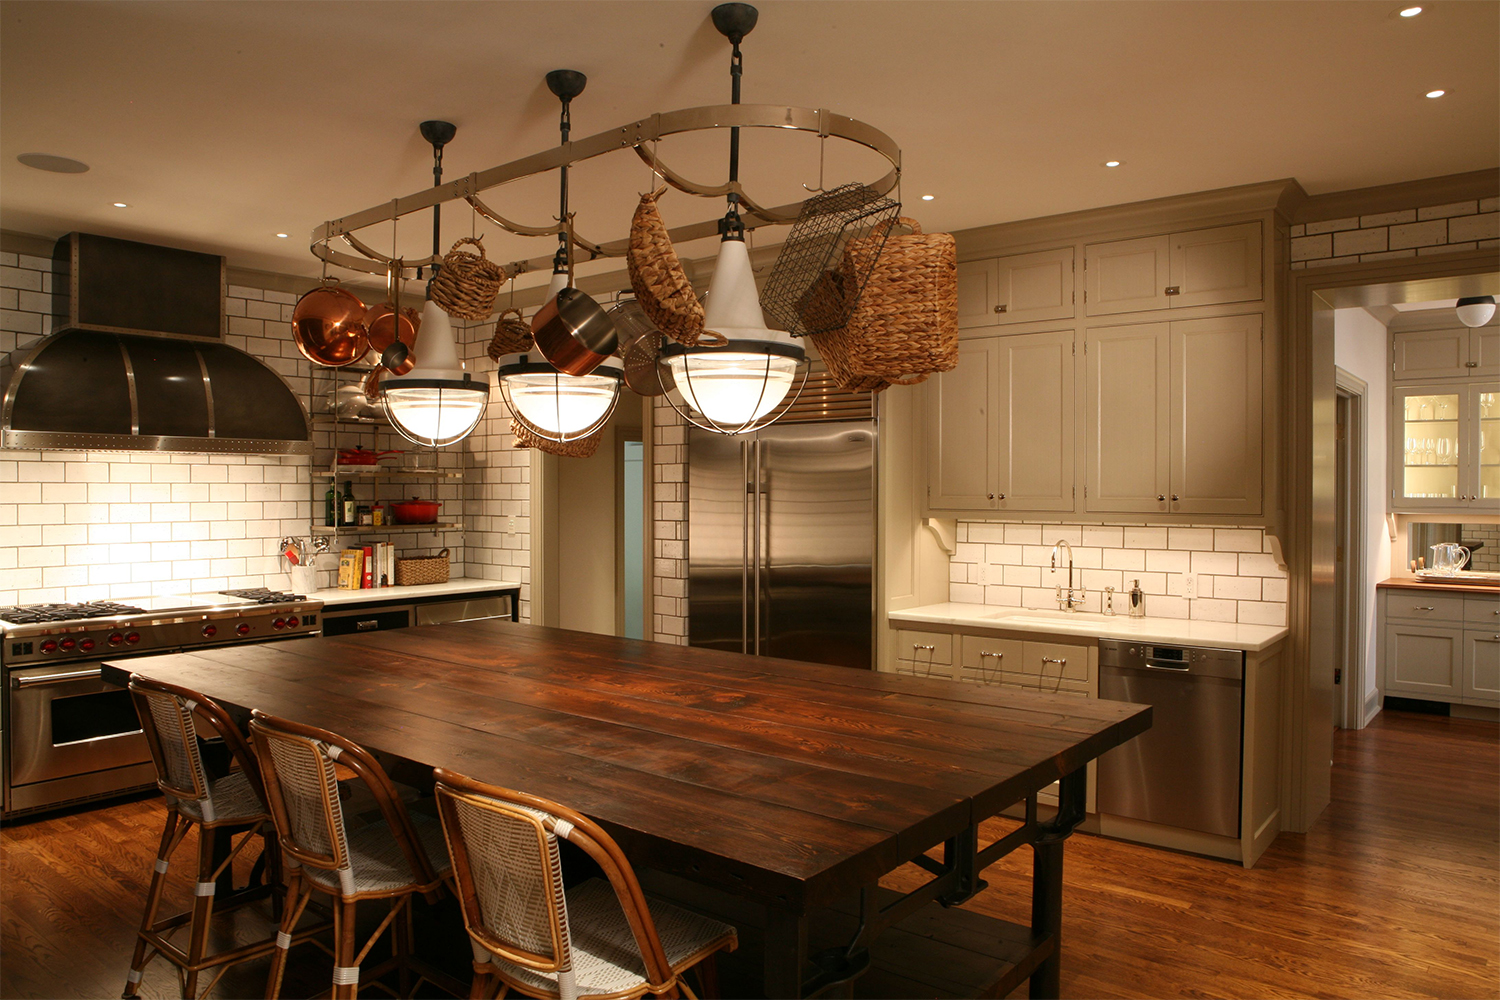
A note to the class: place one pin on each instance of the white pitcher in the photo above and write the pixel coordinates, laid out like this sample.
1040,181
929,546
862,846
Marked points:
1449,557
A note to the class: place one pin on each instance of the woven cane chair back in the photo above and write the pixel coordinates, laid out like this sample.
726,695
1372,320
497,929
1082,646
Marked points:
303,791
168,721
511,859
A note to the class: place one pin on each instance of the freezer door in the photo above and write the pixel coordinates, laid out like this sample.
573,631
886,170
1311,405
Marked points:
816,533
718,542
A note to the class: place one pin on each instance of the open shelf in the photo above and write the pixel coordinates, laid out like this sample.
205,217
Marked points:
383,529
390,474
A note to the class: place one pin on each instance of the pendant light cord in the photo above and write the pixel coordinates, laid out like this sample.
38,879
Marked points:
564,258
731,226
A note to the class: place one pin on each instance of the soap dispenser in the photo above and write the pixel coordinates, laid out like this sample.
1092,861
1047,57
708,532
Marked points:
1137,600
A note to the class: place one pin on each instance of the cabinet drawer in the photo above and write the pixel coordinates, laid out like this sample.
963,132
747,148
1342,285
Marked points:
926,654
986,660
1426,607
365,621
1482,611
1049,661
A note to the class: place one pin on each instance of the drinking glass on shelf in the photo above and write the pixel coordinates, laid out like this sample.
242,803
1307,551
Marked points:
1442,451
1424,411
1442,411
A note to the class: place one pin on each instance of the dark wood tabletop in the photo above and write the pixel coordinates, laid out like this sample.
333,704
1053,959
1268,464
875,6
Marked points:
781,781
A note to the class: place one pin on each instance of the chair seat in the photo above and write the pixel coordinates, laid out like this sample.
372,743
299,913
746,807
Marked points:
377,859
233,800
605,956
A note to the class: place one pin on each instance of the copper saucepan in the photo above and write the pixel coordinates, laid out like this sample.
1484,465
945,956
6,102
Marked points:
328,326
385,334
573,333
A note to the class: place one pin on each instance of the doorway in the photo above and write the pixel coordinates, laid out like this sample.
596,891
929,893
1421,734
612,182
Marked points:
1351,607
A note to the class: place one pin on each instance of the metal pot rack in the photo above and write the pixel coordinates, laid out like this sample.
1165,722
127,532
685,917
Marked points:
636,135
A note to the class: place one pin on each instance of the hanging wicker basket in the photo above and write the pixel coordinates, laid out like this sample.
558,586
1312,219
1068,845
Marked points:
512,335
583,447
466,284
660,284
905,324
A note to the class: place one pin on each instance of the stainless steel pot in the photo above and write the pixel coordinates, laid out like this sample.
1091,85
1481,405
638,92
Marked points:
573,333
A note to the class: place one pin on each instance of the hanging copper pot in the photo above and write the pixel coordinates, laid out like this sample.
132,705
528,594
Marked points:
328,326
573,333
385,334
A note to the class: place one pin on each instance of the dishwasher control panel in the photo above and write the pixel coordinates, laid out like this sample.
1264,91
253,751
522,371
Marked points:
1201,660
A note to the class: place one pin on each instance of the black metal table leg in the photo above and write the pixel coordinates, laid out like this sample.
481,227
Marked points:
786,953
1047,881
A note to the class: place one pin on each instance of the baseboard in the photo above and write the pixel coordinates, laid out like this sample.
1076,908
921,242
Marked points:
1372,707
1174,838
1474,712
1264,836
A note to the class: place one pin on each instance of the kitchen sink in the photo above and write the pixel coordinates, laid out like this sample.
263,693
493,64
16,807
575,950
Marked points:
1056,617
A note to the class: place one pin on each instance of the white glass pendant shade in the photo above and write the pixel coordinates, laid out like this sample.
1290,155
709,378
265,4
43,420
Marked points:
558,283
733,387
1476,310
562,406
732,307
437,403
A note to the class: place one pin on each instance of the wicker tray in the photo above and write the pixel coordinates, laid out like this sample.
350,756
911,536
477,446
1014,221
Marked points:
422,569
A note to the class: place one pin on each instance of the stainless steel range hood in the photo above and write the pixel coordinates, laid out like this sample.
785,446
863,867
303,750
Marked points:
139,364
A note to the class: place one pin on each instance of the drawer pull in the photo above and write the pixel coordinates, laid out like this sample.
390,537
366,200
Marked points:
1060,661
1428,608
917,645
984,652
369,625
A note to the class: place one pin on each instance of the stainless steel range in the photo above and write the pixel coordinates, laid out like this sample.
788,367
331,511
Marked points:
66,736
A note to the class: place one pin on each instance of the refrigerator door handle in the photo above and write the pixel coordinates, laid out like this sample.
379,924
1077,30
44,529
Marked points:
746,519
755,554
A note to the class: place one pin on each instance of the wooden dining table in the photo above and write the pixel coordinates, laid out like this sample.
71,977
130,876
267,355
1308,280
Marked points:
773,792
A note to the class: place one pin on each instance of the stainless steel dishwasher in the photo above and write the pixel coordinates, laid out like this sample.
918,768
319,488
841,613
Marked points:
1185,770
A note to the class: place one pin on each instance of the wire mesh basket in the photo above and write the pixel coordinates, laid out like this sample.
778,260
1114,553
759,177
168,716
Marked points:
811,288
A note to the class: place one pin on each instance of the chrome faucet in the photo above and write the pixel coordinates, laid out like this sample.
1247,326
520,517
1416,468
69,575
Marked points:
1073,599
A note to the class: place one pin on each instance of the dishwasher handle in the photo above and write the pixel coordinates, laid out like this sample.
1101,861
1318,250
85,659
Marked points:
1176,666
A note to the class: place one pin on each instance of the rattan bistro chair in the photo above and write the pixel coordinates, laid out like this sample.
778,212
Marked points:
394,858
225,805
597,939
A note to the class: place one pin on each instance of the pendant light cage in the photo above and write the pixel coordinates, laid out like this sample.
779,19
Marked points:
434,413
734,389
814,286
556,407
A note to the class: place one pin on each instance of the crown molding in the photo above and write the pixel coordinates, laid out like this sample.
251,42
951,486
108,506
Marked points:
1444,190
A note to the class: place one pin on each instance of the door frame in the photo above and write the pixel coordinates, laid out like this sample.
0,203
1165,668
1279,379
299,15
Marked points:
1352,392
1308,383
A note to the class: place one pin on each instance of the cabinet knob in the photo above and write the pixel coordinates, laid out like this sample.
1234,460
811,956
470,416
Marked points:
1001,308
1001,496
1161,497
1174,497
992,496
1173,290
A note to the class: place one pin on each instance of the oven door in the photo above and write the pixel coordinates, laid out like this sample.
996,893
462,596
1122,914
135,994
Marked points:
65,721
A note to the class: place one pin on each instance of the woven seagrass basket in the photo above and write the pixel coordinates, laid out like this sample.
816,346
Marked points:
905,325
466,284
413,570
660,284
583,447
512,335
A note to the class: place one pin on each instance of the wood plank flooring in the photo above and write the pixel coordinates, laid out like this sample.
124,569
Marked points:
1394,893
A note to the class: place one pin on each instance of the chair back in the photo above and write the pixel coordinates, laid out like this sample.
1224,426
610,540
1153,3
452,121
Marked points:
504,848
302,791
167,712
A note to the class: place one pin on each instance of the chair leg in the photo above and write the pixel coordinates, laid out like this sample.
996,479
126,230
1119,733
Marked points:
203,910
297,896
345,949
153,901
485,978
707,972
401,942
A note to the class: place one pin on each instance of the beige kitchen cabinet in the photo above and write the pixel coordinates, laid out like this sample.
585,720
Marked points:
1003,426
1424,660
1454,352
1195,268
1019,288
924,654
1481,668
1033,665
1445,446
1174,417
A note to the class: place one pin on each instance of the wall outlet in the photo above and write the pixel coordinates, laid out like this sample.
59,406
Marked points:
984,574
1189,585
510,525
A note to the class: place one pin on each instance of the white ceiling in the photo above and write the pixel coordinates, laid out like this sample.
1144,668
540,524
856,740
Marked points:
222,124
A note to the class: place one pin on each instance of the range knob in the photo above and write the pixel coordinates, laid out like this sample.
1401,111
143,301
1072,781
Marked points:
209,631
85,644
115,638
292,622
243,628
49,645
131,638
68,645
279,624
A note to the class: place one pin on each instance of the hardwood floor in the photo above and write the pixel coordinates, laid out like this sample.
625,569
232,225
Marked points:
1394,893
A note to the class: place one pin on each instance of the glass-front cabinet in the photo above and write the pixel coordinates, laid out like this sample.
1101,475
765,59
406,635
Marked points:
1445,446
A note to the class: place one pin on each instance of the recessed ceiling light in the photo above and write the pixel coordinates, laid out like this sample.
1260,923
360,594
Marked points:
1112,163
121,204
1436,93
282,236
928,197
53,164
1409,11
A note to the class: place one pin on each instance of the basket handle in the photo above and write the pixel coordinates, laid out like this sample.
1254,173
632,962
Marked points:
912,380
478,241
506,312
443,554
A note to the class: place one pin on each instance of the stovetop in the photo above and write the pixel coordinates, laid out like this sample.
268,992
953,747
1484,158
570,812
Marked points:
31,614
260,595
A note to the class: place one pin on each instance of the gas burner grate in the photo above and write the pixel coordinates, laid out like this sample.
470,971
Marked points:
31,614
260,595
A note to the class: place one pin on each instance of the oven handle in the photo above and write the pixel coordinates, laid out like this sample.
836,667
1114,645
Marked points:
77,675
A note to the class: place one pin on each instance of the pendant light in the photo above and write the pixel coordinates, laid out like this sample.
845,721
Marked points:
1476,310
553,404
747,382
437,403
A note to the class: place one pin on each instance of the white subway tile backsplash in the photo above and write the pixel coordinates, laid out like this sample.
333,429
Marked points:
1236,580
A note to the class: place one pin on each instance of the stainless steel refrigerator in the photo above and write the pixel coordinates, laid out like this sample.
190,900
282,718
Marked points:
781,539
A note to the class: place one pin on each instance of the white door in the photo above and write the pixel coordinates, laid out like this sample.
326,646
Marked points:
1482,668
1211,266
1127,275
962,430
1431,353
1424,660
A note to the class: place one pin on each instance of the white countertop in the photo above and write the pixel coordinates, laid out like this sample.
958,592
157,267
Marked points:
455,588
1176,631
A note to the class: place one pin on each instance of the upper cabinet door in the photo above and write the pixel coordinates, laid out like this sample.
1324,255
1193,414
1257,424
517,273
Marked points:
1484,351
1210,266
1127,275
1428,354
1020,288
1128,418
963,433
1216,416
1035,422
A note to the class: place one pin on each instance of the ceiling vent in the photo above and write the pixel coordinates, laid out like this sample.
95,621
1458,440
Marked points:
139,364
